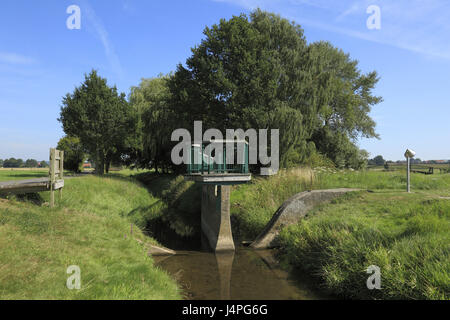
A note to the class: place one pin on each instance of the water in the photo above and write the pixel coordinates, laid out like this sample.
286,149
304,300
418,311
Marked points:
244,274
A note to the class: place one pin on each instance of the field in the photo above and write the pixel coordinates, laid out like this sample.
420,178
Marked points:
91,228
7,174
438,167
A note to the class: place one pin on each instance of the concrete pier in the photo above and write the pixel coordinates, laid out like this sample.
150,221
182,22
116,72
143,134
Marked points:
216,225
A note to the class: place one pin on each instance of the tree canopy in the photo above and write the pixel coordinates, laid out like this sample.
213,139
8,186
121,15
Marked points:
100,117
259,72
73,153
251,71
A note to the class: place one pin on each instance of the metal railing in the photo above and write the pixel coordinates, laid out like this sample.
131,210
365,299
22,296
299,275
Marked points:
203,163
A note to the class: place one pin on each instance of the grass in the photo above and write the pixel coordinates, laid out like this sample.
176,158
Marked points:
91,228
253,204
406,235
7,174
376,180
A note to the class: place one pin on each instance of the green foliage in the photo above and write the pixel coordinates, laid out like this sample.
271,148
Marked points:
100,117
73,153
378,160
1,163
13,163
155,123
259,72
30,163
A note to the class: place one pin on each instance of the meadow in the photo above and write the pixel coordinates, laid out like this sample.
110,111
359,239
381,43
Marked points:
7,174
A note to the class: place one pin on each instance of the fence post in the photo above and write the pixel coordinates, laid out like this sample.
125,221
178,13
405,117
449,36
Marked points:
408,189
61,171
52,176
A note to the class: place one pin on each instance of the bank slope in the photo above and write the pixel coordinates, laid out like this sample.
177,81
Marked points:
90,228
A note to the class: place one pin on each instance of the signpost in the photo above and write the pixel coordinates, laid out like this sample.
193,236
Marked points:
408,155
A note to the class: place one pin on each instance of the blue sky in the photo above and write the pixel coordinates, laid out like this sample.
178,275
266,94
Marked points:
41,59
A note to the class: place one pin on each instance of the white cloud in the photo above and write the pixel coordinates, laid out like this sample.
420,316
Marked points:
14,58
415,25
103,36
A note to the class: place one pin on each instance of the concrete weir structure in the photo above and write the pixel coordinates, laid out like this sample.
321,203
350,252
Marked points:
291,211
215,215
216,171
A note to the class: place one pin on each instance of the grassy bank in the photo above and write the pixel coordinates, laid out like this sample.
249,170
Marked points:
406,235
253,204
91,228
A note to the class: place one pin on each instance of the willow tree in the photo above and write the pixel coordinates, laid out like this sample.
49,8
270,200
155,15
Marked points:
156,121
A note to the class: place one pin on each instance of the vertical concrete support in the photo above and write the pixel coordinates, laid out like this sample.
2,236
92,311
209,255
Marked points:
216,225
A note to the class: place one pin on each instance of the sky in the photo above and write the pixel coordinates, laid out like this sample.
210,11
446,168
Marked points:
41,59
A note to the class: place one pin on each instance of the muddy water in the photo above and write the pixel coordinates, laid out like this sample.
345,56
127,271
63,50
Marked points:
244,274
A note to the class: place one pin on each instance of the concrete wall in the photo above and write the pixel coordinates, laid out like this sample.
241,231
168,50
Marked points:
216,225
292,211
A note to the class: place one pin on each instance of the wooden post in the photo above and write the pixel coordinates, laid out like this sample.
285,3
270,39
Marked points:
52,176
56,173
408,188
61,171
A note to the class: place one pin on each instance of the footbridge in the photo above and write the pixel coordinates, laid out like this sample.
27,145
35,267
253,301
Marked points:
55,180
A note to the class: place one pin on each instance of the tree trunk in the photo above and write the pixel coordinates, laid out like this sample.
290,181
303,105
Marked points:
101,167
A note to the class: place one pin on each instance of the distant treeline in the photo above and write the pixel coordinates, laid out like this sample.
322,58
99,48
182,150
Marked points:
251,71
379,161
19,163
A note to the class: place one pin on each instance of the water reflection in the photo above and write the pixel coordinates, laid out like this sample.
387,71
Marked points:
246,274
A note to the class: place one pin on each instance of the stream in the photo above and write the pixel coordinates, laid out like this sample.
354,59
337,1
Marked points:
244,274
241,275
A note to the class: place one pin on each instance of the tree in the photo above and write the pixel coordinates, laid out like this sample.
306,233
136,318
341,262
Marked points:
378,160
12,163
259,72
73,153
155,122
31,163
1,163
100,117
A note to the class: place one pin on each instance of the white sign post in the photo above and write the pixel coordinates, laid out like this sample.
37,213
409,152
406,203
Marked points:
408,155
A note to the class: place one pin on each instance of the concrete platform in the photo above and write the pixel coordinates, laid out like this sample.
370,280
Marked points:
219,178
